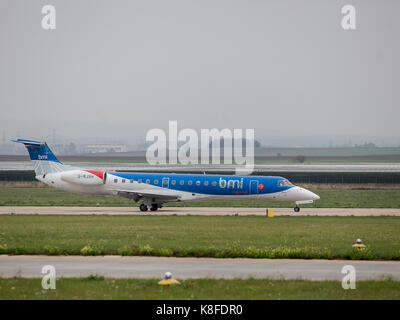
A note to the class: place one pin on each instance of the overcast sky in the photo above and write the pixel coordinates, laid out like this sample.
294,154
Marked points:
113,69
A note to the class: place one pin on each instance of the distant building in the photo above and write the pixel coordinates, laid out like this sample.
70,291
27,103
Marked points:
105,148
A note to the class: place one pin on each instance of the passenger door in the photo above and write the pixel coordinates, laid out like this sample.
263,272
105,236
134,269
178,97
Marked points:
165,182
253,186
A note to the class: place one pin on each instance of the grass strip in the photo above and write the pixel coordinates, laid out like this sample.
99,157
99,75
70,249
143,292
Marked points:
97,287
308,237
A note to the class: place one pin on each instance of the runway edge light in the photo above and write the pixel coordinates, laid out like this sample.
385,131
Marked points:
168,280
358,244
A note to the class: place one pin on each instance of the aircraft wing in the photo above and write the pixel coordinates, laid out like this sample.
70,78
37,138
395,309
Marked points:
150,194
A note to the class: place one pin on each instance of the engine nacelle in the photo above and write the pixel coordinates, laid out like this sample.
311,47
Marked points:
81,177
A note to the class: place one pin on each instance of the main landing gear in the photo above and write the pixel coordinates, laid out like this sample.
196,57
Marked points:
153,207
296,209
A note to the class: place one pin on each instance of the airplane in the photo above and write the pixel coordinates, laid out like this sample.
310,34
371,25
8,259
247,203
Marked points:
152,190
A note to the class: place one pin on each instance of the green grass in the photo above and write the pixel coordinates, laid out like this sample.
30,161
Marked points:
309,237
31,196
100,288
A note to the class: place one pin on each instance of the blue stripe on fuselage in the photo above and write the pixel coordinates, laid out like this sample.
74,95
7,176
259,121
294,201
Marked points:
234,185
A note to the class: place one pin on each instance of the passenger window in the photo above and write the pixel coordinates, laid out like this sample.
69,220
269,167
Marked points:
198,182
190,182
156,181
173,182
181,182
147,181
139,181
214,183
206,183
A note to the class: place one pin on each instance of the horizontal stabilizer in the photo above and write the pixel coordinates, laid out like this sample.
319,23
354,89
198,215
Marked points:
29,142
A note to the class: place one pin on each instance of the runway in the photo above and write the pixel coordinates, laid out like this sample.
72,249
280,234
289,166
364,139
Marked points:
184,268
210,211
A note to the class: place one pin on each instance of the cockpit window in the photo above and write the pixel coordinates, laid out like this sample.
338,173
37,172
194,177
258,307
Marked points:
284,183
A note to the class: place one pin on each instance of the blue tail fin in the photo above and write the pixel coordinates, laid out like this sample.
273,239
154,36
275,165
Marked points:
44,161
38,150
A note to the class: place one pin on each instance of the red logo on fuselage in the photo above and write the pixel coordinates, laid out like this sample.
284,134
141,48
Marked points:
98,173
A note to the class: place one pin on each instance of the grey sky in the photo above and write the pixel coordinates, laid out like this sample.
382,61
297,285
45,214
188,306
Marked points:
111,69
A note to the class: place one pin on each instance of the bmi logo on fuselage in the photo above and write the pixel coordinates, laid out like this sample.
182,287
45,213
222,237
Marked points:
231,183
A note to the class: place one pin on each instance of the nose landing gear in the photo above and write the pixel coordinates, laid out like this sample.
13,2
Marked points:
296,209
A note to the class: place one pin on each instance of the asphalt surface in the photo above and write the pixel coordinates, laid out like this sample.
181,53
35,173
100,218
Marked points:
199,211
183,268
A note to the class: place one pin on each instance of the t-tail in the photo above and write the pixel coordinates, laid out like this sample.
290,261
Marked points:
43,159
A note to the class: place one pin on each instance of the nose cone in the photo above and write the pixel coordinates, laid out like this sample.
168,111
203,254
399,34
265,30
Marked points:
313,195
304,194
308,195
300,194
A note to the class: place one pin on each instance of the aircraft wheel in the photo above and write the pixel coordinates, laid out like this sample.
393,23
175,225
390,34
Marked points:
143,207
296,209
154,207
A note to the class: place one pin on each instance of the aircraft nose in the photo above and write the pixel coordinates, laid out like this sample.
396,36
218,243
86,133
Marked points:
310,195
314,196
297,193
